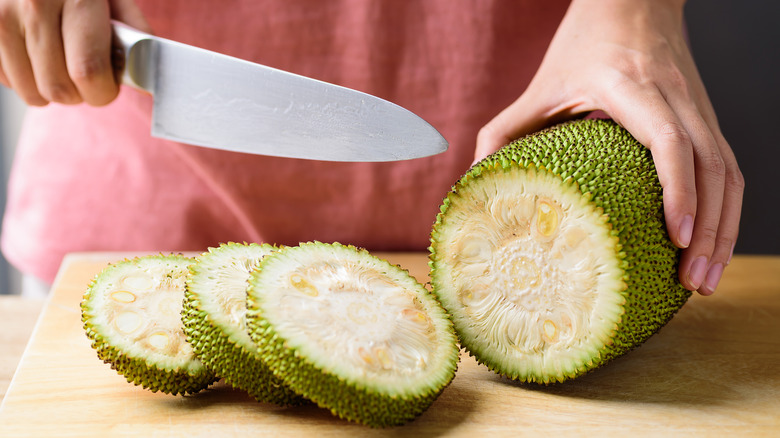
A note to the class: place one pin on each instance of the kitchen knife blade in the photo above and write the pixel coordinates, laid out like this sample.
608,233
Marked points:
209,99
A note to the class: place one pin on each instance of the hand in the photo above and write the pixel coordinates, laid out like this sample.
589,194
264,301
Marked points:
60,50
629,59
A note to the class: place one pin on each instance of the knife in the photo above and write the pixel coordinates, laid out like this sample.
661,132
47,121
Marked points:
209,99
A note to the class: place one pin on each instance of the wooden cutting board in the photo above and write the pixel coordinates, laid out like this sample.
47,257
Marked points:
714,370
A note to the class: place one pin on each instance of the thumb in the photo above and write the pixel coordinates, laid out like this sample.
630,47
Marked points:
524,116
128,12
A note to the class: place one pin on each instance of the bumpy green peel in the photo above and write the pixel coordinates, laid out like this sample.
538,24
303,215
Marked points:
552,254
351,332
213,315
131,313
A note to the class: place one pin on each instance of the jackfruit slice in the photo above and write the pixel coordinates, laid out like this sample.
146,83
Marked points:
351,332
131,313
552,255
213,316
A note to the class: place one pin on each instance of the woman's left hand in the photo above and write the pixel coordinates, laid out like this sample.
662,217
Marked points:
629,59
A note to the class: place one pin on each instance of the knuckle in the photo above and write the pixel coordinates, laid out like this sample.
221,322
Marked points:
485,134
57,92
722,250
7,17
724,242
32,98
618,79
688,191
735,180
488,136
713,163
87,71
633,66
671,134
646,68
677,79
10,24
34,7
708,233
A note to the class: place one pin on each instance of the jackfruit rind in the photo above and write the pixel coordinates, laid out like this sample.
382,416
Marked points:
213,316
577,203
351,332
131,313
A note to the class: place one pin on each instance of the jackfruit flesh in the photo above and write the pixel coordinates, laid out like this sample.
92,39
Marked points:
131,314
213,317
351,332
552,255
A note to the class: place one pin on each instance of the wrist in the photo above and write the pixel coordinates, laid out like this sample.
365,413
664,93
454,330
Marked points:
627,17
670,6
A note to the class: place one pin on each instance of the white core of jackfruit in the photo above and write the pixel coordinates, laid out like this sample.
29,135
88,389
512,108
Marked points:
138,310
356,318
220,285
532,264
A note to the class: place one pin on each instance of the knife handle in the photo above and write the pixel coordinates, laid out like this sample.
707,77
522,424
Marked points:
133,56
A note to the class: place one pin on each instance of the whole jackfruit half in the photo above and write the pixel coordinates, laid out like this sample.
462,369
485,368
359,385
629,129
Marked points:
351,332
552,254
213,316
132,314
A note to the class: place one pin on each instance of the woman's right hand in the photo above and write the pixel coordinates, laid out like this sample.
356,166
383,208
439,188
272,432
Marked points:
60,50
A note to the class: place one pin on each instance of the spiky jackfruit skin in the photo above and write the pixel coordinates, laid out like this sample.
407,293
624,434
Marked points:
326,364
615,179
174,372
223,345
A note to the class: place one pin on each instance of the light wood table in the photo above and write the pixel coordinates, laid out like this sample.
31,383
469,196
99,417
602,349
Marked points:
714,370
17,319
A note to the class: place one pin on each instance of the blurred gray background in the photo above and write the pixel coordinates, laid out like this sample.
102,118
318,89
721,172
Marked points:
736,45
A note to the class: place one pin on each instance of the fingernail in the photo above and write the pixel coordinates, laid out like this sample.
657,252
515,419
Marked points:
697,272
731,254
686,231
713,277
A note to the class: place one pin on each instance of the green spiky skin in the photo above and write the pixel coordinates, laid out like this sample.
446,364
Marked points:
140,371
353,399
225,354
617,174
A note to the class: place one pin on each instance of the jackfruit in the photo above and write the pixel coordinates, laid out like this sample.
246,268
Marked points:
351,332
552,255
213,316
131,314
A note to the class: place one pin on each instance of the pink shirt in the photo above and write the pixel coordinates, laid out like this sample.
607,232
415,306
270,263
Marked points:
92,179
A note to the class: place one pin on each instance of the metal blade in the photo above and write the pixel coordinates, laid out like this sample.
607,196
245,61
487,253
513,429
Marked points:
209,99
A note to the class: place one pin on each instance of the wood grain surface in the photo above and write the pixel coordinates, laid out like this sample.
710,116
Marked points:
714,370
17,319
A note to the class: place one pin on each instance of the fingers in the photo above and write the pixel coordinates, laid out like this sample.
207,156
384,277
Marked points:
728,227
645,113
709,175
17,70
88,50
43,41
57,51
701,182
719,186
